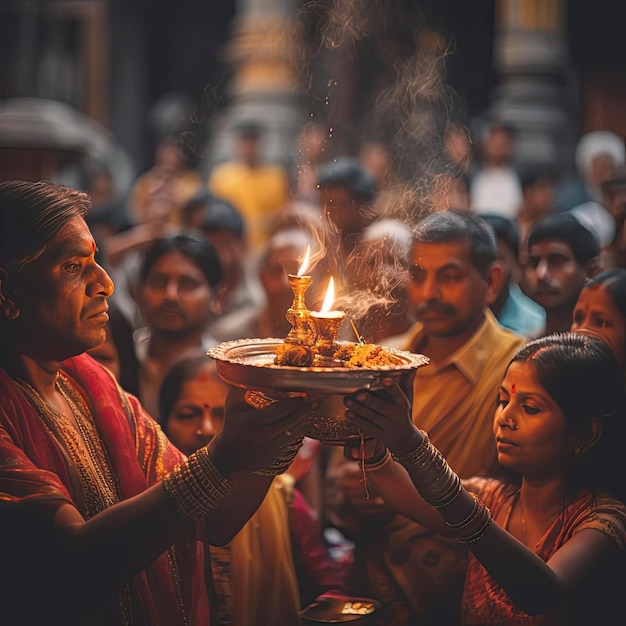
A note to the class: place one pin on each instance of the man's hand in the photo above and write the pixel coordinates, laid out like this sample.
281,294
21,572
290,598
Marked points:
252,438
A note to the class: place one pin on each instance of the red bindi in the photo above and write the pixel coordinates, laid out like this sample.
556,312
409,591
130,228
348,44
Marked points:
513,388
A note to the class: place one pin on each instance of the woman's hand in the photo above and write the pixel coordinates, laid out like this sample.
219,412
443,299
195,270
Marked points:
252,438
385,414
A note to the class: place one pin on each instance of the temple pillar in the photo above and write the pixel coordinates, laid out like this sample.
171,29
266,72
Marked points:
264,87
534,93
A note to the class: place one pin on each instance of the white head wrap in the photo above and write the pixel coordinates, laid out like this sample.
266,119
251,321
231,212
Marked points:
599,142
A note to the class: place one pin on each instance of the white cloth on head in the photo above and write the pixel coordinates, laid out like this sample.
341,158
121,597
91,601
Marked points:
598,142
596,218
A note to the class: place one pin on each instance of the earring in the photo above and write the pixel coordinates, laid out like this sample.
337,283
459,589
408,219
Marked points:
11,310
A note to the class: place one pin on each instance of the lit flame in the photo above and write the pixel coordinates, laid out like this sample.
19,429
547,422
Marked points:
305,262
329,298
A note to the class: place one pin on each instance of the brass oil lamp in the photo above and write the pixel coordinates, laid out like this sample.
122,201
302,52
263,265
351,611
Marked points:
302,332
327,323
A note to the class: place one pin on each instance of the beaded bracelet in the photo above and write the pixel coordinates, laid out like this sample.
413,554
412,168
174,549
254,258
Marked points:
196,486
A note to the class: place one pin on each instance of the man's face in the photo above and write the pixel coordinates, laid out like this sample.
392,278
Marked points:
447,293
554,279
231,252
63,307
175,298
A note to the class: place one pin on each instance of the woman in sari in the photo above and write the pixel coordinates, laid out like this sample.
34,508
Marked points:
547,542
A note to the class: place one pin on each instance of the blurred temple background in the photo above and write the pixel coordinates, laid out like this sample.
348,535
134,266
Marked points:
103,81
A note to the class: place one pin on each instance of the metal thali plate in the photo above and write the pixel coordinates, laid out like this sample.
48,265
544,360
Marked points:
249,363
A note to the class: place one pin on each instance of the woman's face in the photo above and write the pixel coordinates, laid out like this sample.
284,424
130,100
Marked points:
530,429
198,414
596,315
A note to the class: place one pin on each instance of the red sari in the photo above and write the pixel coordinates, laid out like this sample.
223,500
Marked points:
486,603
35,469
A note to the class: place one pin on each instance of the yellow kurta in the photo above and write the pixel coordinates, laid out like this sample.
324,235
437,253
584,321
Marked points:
455,401
258,193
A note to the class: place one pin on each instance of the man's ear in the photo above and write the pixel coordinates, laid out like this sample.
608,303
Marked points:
495,282
217,301
594,267
8,308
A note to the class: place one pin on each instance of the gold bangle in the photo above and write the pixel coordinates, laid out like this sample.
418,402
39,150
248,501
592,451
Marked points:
196,486
468,520
431,474
478,526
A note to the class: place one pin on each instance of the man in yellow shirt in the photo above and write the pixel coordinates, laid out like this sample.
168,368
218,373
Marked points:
453,277
258,190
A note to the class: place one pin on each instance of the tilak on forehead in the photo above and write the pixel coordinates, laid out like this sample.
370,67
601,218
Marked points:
513,388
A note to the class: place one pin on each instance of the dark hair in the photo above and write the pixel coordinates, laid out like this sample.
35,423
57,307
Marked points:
31,216
504,229
583,242
222,215
347,173
532,174
248,128
191,244
451,226
217,214
615,279
176,377
582,376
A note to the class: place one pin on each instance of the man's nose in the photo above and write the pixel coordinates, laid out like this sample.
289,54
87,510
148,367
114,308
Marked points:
171,290
543,269
430,288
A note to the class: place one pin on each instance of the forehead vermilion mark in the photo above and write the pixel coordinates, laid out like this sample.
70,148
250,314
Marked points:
513,388
203,377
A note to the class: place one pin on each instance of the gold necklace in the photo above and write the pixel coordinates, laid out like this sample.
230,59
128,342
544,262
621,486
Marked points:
83,449
523,520
91,437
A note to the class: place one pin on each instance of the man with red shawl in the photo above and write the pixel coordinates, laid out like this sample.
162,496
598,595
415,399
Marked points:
102,520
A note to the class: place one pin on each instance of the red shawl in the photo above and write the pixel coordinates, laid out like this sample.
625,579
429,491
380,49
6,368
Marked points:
34,468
